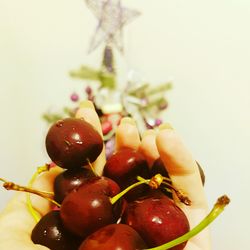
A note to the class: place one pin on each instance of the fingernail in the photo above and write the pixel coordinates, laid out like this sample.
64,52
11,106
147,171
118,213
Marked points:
148,132
87,104
165,126
128,120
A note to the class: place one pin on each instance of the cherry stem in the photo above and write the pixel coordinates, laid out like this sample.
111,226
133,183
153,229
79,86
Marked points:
115,198
3,180
154,183
33,212
218,208
167,179
183,198
44,194
159,179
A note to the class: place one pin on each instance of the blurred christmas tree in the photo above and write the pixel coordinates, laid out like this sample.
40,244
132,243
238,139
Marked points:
138,99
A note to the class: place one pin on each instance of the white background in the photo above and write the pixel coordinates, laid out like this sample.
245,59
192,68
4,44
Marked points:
204,45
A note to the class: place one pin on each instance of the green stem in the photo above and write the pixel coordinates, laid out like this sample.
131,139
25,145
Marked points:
44,194
139,178
33,212
114,199
215,212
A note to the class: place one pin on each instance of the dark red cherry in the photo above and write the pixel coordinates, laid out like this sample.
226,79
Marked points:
88,208
68,180
124,166
158,168
157,219
114,236
50,232
71,142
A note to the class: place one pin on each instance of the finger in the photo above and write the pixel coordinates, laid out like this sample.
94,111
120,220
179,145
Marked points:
191,246
87,111
44,182
16,224
127,135
181,165
185,176
148,146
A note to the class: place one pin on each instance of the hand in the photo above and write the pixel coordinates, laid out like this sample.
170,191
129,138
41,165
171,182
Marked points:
16,222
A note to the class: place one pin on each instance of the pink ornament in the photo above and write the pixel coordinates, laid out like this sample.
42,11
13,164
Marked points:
158,122
74,97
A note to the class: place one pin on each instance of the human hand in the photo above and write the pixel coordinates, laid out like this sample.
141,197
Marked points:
16,222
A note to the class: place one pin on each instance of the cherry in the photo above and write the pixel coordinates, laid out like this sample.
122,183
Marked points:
88,208
124,166
50,232
68,180
114,236
158,168
157,219
72,142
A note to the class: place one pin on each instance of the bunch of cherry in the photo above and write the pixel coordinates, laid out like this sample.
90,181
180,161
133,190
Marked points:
129,207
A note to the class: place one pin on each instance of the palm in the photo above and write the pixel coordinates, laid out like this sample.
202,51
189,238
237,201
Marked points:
16,223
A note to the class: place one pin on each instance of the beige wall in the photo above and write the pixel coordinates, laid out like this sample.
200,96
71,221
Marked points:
203,45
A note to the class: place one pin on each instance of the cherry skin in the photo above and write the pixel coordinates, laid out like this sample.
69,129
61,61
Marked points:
88,208
68,180
158,168
157,219
114,236
72,142
50,232
124,166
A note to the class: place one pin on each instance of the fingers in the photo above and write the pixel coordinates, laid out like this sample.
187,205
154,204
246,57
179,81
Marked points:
148,147
191,246
16,224
127,135
185,176
87,111
44,182
181,165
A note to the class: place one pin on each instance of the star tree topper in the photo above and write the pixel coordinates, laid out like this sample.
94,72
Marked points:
112,17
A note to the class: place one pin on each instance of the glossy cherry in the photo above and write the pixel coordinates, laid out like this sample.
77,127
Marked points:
114,236
124,166
157,219
68,180
72,142
88,208
50,232
158,168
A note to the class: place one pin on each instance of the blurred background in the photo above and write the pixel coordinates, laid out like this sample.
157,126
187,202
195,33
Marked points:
202,45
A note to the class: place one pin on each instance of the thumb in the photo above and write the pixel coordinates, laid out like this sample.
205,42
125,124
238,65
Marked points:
16,222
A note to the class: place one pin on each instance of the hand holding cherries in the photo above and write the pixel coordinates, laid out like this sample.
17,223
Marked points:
130,206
